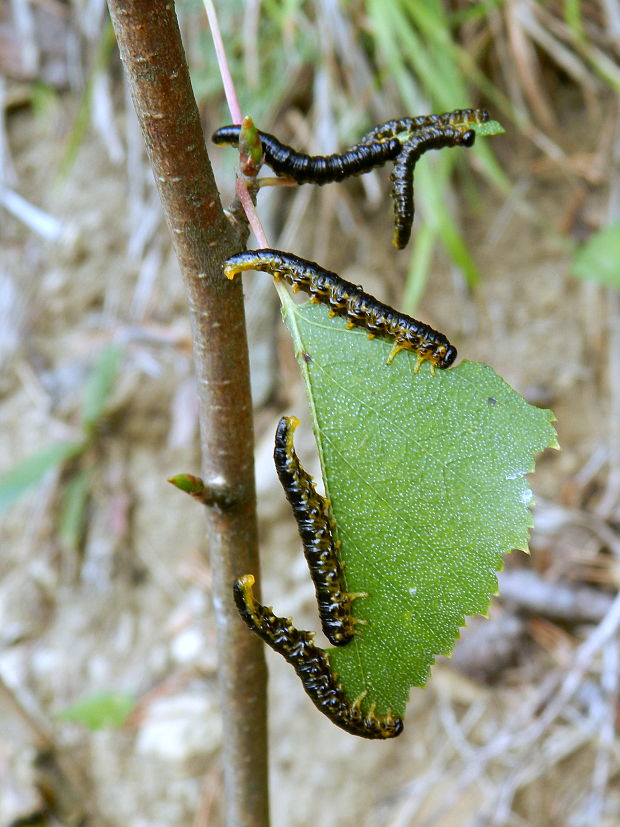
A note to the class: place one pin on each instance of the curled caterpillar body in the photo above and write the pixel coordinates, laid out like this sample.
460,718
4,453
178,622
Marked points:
398,126
348,300
402,173
316,169
315,528
312,665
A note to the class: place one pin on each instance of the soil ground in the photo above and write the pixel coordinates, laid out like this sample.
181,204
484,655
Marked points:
129,608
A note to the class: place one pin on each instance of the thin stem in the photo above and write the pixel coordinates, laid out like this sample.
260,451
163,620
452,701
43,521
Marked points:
151,49
227,81
235,110
250,211
241,189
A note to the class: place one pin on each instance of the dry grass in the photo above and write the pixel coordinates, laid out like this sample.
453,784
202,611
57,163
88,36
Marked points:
521,729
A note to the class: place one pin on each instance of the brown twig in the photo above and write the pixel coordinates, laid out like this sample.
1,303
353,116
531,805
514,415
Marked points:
151,49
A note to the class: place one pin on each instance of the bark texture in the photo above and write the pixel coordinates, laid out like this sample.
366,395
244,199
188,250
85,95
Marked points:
151,49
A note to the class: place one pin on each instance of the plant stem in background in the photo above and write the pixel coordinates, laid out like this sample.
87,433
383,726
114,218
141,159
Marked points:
151,49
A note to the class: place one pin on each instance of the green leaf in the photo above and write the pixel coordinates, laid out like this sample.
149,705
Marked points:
31,470
100,710
425,475
599,258
488,128
100,384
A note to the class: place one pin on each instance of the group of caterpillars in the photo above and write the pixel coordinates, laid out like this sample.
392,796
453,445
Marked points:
321,550
402,141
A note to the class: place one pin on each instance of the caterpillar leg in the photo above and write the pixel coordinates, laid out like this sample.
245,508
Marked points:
419,362
313,668
396,348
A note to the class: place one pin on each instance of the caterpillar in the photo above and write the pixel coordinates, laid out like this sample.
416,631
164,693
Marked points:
312,666
348,300
432,137
316,169
311,512
402,140
374,149
393,128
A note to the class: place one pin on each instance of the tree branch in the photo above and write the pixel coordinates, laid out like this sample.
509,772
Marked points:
151,49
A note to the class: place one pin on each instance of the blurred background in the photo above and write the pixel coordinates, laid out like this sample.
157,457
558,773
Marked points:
108,691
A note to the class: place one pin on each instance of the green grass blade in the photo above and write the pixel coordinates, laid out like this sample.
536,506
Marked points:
73,512
106,709
419,266
434,184
31,470
599,258
100,385
81,122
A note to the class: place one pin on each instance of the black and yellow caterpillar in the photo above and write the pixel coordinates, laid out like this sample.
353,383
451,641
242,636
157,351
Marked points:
313,668
315,525
316,169
346,299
